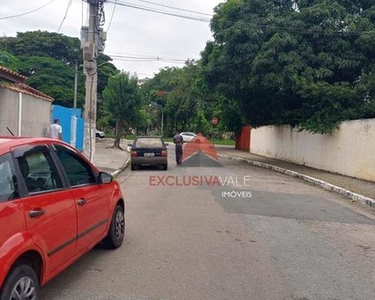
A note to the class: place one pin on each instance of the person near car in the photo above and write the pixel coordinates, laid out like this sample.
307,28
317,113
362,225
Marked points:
178,141
55,130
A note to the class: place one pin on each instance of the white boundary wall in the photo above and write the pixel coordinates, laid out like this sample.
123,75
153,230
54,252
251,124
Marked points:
350,150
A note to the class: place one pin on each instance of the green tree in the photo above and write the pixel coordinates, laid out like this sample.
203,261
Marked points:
158,90
122,100
306,62
53,78
48,60
43,43
181,92
9,61
202,125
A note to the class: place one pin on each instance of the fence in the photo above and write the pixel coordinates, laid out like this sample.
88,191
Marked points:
348,151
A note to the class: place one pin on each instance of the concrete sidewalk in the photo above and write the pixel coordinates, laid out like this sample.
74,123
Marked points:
108,159
362,187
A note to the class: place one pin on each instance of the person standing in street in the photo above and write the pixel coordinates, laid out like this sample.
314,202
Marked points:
178,141
55,130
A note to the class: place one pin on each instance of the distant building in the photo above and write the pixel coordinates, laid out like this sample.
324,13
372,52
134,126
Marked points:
24,110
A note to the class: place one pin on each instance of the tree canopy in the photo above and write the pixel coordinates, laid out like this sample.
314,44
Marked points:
121,99
8,60
48,60
306,62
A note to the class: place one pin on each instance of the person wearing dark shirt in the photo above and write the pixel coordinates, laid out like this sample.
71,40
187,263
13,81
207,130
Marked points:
178,141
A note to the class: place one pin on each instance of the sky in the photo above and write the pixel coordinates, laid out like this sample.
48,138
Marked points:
131,32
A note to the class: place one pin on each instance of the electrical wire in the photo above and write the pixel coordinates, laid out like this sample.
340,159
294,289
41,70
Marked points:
149,60
176,8
66,14
133,56
26,13
163,12
140,55
113,13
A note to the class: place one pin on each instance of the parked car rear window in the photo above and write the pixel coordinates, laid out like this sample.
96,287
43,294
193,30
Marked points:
7,179
149,143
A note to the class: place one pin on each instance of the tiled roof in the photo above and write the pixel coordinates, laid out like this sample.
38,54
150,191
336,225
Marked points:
25,89
13,74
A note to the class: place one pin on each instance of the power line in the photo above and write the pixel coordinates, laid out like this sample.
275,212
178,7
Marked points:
66,14
176,8
148,60
150,9
113,13
29,12
151,57
140,55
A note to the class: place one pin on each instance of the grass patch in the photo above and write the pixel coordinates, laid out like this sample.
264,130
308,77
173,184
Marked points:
130,137
224,142
170,140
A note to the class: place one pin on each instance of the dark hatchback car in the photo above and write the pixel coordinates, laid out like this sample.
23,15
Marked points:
149,151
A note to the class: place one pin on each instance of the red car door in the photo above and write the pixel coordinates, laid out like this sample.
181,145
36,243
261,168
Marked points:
12,221
49,208
91,198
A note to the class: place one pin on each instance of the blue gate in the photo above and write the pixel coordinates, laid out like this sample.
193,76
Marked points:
66,117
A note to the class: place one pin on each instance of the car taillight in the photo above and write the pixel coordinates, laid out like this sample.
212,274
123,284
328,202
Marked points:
134,154
164,153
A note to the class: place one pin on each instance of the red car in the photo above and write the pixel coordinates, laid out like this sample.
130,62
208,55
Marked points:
54,207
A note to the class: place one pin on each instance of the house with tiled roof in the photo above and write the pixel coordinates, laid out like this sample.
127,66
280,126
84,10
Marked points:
24,111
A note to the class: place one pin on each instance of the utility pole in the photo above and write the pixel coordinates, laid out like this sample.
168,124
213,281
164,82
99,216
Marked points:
75,87
73,133
90,55
162,121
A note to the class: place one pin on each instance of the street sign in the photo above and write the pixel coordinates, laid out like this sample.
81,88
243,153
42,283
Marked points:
215,121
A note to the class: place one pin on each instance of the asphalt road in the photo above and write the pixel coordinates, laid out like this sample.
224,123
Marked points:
289,241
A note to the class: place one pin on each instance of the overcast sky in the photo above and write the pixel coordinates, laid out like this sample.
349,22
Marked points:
132,31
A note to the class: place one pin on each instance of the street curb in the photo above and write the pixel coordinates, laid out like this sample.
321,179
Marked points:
323,184
120,170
